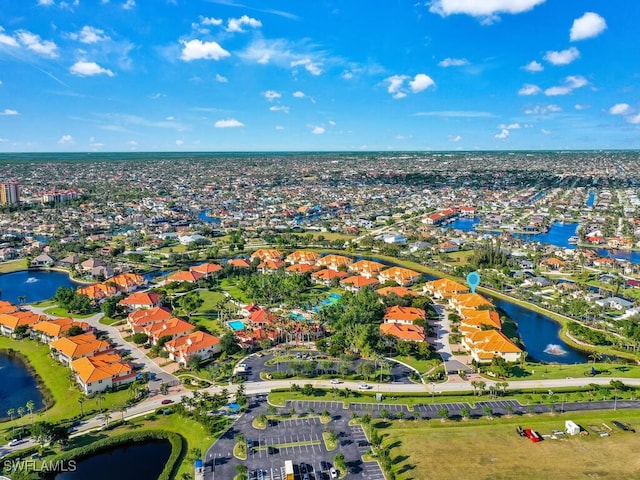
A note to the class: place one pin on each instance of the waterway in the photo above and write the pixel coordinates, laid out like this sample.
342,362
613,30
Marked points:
204,216
591,200
35,285
17,386
139,461
558,235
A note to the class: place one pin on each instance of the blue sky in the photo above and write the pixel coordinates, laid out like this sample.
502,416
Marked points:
196,75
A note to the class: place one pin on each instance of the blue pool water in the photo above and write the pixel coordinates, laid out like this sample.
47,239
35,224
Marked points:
298,317
330,300
237,325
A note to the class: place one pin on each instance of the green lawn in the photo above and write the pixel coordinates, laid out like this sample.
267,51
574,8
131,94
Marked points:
213,325
536,371
459,259
421,365
230,287
61,312
14,265
490,449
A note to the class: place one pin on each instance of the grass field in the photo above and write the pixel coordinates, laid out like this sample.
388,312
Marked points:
230,287
14,265
421,365
61,312
491,449
536,371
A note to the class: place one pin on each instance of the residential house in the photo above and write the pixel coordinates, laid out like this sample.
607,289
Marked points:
327,275
270,266
447,247
444,288
141,300
402,276
554,264
7,307
405,332
399,291
265,254
367,268
69,262
202,344
485,345
404,315
262,317
88,265
173,327
102,372
10,321
48,331
128,282
184,276
249,309
239,263
43,260
98,292
334,262
468,301
303,257
615,303
67,349
475,320
142,318
206,269
356,283
300,268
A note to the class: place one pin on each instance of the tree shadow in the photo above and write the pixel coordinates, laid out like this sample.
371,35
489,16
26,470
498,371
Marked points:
382,424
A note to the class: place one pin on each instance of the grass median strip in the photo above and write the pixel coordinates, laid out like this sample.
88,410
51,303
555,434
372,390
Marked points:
290,444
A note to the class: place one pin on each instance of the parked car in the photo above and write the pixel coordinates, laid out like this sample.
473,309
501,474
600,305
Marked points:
364,386
14,442
166,401
335,381
333,473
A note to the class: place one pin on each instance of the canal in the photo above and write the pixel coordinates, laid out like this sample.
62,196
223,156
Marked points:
34,285
17,386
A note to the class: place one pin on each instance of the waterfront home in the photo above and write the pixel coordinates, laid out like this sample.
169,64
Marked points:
468,301
140,319
101,372
184,276
472,320
270,266
367,268
43,260
303,257
334,262
447,247
10,321
405,332
300,268
141,300
69,262
206,269
402,276
355,283
327,275
265,254
239,263
615,303
554,264
98,292
128,282
404,315
88,265
399,291
444,288
67,349
7,307
485,345
173,327
202,344
48,331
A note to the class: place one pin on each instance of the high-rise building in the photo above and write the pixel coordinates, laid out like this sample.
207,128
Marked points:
9,192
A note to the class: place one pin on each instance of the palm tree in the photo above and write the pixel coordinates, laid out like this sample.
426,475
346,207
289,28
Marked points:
81,400
30,406
21,413
100,399
595,356
122,408
11,412
107,417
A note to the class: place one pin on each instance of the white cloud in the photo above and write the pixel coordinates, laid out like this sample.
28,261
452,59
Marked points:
511,126
199,50
395,84
543,109
455,138
89,69
454,114
309,66
533,66
66,140
157,95
620,109
332,123
529,89
236,24
635,119
9,111
453,62
570,84
317,130
347,75
33,42
170,118
221,79
279,108
89,35
279,127
421,82
45,3
503,134
129,4
3,140
210,21
544,131
271,95
486,9
562,57
228,123
581,106
7,39
298,94
179,142
587,26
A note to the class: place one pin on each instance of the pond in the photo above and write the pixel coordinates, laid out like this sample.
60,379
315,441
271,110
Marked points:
17,386
141,460
204,216
35,285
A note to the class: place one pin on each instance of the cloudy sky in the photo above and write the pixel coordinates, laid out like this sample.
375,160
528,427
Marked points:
227,75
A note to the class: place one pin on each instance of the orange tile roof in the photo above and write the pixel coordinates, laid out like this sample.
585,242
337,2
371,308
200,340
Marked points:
401,274
192,343
149,315
171,326
400,291
328,274
126,281
332,260
184,276
206,268
239,262
142,298
404,313
359,281
80,345
492,341
300,268
21,317
265,254
303,256
262,316
7,307
470,300
98,291
403,332
444,286
477,318
271,264
95,368
58,327
366,266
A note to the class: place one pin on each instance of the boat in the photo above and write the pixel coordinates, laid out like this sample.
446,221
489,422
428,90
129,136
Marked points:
533,436
573,240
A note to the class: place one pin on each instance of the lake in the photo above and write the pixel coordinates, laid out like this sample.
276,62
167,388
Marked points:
17,386
36,285
143,461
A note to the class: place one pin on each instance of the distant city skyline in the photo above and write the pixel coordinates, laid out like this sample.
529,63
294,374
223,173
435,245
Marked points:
221,75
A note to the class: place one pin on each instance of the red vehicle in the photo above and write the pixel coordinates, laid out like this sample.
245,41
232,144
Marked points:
166,401
533,436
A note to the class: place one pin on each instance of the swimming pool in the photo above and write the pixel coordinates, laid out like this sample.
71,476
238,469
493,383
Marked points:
333,298
298,317
236,325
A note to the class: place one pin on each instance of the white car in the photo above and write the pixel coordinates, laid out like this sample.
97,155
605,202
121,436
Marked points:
364,386
333,473
14,442
335,381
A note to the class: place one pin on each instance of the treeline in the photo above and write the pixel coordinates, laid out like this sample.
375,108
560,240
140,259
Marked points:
594,337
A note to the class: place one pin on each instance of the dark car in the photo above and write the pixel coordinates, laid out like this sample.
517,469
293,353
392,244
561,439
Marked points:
166,401
272,450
